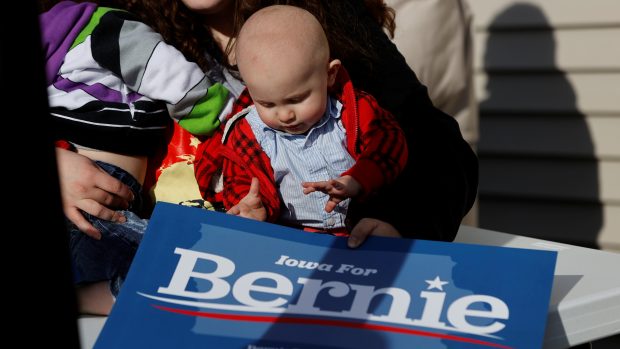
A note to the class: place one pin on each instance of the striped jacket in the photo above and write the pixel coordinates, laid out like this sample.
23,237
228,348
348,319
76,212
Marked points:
374,140
113,83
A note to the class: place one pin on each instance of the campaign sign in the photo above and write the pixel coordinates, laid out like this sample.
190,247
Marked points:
209,280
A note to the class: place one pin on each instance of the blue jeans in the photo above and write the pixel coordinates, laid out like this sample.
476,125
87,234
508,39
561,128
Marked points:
108,259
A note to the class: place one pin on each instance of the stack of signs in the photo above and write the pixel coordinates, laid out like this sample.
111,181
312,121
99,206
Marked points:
209,280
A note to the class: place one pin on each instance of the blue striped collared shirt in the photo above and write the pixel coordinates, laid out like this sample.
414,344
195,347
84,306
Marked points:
318,155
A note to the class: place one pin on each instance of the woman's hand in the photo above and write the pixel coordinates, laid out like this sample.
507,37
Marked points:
370,226
84,186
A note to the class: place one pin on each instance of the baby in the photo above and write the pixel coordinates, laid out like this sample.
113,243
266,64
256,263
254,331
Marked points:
310,142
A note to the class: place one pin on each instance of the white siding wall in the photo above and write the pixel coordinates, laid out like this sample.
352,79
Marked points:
548,86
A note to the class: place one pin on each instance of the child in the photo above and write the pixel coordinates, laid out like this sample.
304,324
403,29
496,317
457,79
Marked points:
310,141
112,85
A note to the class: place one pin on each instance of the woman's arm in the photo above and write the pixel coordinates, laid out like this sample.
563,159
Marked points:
86,187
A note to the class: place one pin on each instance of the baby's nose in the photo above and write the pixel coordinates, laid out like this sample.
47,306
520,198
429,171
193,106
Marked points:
286,116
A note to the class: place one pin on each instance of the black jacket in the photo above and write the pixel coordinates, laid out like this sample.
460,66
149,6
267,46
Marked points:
440,181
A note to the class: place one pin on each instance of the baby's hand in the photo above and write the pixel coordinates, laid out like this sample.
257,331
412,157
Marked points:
251,205
338,189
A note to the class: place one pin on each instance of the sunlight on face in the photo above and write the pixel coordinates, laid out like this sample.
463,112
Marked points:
289,101
206,6
283,57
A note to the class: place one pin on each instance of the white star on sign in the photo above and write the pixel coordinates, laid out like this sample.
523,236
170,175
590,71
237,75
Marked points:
436,283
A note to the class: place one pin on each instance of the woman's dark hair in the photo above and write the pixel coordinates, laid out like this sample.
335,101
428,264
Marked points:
182,28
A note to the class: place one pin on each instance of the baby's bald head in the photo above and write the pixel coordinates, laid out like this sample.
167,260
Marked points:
283,56
279,36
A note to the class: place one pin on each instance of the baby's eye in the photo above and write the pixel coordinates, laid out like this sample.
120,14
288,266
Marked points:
298,98
266,104
295,100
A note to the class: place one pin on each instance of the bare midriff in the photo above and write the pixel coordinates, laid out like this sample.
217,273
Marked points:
135,165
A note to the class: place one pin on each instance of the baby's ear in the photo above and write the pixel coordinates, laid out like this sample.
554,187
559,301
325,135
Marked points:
332,71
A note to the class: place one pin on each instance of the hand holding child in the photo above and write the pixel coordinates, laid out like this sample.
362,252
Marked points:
85,187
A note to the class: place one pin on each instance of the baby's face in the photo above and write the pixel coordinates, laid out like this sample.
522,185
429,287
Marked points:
283,56
290,97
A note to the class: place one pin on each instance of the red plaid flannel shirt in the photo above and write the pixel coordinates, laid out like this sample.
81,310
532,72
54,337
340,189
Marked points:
374,140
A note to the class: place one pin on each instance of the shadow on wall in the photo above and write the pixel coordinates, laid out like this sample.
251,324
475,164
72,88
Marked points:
538,170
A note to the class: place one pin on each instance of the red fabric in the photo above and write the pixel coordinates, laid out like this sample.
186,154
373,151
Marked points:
64,145
181,147
336,232
209,155
244,159
374,139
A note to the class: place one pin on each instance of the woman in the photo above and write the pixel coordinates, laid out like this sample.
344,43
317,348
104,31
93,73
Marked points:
440,182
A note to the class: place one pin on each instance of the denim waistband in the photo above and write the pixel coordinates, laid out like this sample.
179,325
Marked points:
127,179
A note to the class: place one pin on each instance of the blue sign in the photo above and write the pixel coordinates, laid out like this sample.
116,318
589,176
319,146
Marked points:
209,280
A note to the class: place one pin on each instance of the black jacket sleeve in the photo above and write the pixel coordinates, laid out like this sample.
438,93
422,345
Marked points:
440,181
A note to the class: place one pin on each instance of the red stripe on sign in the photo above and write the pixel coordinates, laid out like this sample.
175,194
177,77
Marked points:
325,322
